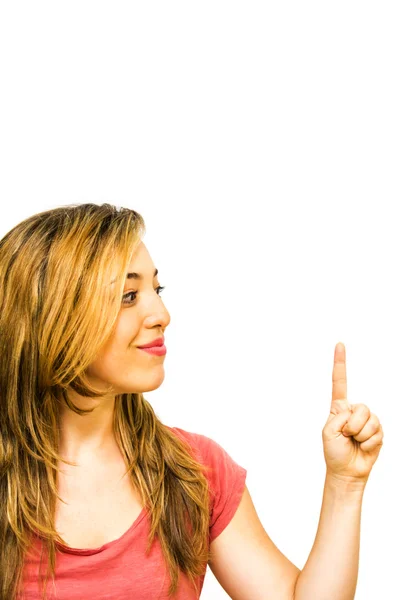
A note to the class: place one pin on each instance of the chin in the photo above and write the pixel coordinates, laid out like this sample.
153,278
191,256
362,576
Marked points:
146,385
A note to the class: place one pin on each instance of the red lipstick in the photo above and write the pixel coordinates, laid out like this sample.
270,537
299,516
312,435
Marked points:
158,342
156,347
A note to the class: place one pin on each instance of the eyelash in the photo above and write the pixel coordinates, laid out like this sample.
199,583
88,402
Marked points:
160,288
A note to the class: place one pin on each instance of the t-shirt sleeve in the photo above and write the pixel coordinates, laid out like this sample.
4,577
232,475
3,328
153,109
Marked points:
227,481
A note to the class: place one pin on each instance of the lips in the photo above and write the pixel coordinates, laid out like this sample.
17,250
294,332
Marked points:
157,342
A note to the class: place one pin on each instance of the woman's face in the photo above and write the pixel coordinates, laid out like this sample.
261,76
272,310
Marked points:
142,318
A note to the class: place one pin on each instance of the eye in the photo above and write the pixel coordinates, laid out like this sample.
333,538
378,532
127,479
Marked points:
133,295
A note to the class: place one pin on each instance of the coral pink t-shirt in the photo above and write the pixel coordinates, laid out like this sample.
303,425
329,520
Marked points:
120,570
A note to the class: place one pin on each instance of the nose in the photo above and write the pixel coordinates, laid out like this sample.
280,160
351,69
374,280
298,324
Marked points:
159,316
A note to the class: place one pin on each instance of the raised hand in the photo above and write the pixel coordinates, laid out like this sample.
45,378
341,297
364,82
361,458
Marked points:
352,436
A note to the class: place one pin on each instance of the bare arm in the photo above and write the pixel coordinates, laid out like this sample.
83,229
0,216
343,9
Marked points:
249,565
331,570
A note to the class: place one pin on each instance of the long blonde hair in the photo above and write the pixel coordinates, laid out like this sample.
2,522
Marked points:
56,312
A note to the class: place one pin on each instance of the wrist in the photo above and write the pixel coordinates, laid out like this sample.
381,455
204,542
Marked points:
345,483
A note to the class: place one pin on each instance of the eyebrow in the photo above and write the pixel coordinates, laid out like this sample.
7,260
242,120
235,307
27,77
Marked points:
134,275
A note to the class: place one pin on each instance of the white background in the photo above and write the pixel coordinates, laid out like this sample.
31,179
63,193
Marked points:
260,142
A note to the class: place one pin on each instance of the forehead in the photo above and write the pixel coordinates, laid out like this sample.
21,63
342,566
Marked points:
141,265
141,259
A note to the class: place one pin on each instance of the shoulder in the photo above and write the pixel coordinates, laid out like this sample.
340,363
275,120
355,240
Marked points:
207,449
226,477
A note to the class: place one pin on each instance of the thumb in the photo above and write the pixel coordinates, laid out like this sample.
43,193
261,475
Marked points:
335,423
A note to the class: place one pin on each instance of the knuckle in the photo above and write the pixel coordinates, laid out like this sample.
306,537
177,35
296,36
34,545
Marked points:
375,423
362,408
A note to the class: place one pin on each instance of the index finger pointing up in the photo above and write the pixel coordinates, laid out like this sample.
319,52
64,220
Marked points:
339,377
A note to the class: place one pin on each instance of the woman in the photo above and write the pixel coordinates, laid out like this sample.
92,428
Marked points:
100,499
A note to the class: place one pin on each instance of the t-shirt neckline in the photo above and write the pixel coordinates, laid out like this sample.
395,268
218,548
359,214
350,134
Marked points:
88,551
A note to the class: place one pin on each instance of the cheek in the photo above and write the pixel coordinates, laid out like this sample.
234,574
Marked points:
119,352
126,331
112,365
115,354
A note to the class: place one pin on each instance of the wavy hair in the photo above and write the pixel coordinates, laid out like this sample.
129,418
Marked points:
56,312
